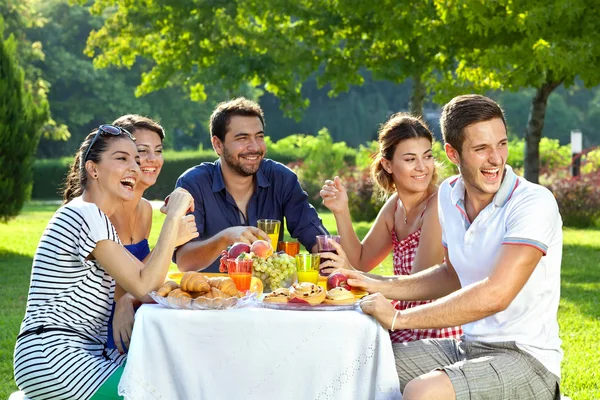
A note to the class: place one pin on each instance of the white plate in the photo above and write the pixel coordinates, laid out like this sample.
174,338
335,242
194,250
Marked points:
308,307
202,303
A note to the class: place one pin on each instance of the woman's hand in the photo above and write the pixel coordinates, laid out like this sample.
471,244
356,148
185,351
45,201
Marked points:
334,196
123,322
379,307
335,261
178,203
187,230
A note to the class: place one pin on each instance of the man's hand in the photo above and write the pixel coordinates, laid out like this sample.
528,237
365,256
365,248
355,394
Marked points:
245,234
123,322
379,307
359,280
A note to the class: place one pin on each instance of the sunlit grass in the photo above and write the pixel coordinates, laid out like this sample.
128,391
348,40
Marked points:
579,314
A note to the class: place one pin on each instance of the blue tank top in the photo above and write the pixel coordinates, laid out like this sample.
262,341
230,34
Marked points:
140,251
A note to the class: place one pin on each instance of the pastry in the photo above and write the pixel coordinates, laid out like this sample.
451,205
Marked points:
339,296
280,295
180,298
166,288
178,293
194,282
225,285
307,291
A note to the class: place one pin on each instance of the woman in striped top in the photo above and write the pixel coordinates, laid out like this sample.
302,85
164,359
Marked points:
408,224
60,351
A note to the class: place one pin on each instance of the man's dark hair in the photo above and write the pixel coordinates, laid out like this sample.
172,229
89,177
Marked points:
463,111
219,120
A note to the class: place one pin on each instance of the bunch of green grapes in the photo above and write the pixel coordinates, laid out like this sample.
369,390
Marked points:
278,270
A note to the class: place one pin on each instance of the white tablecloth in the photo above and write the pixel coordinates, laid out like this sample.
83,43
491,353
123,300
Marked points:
256,353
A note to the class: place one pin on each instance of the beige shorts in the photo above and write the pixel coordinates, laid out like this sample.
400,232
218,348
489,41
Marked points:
478,370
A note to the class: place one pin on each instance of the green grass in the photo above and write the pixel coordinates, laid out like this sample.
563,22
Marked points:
579,313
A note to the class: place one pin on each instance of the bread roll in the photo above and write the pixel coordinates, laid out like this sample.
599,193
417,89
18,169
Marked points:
307,291
339,296
194,282
280,295
225,285
166,288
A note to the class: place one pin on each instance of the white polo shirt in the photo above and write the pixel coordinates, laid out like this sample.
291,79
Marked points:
521,213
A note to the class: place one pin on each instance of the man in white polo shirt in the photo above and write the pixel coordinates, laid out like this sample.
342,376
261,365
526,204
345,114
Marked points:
500,281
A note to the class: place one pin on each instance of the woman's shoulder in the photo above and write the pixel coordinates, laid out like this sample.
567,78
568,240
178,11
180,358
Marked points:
83,208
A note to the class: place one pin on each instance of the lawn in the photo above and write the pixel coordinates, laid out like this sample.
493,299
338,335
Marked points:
579,314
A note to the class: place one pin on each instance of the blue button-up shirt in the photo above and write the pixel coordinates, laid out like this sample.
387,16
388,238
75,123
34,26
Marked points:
277,194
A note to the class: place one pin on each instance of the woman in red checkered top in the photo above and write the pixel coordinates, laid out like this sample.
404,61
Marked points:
407,224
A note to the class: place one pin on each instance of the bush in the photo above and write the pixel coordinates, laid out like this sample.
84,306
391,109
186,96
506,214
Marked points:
578,199
21,120
363,195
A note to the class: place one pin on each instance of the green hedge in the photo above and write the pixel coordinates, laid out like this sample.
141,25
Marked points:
49,175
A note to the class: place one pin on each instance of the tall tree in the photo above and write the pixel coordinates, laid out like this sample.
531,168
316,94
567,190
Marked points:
514,44
274,44
21,117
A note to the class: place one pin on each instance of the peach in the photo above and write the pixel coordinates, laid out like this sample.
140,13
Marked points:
262,248
238,248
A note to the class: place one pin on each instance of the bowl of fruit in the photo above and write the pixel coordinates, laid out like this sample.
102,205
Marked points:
275,270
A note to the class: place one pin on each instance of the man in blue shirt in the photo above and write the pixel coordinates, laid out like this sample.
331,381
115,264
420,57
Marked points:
240,188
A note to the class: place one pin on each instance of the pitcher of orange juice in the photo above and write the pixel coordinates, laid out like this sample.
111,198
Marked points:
271,228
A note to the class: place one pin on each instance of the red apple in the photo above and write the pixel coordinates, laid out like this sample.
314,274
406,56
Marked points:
238,248
262,248
338,280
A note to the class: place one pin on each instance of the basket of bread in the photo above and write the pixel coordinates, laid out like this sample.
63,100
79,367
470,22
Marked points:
199,292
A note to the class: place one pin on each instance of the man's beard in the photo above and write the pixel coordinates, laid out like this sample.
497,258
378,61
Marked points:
237,166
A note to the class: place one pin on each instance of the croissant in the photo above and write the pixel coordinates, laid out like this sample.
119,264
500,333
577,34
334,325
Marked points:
166,288
309,292
225,285
339,296
178,293
194,282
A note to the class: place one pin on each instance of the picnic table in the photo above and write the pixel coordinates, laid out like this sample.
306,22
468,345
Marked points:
258,353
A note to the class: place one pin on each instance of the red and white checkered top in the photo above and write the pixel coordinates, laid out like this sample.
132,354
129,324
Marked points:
404,255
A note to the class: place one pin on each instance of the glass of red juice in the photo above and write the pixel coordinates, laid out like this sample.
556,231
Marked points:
324,246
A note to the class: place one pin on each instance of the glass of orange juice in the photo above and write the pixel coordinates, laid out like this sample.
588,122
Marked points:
240,271
290,248
270,227
307,267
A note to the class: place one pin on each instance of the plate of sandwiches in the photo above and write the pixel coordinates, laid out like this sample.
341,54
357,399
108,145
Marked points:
307,296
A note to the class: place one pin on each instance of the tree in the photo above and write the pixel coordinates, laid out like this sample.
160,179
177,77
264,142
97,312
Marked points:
275,44
21,118
514,44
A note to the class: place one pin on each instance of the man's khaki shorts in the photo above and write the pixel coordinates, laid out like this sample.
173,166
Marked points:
478,370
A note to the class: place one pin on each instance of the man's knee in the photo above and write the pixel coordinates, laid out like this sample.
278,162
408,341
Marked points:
435,385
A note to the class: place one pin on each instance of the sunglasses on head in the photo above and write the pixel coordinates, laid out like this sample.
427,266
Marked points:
107,130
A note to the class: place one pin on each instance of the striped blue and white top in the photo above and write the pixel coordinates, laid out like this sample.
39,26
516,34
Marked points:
69,303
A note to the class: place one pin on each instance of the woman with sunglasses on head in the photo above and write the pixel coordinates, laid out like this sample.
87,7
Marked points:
133,221
60,352
407,224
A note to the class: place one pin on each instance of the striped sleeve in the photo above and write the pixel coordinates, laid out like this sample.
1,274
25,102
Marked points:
95,227
533,220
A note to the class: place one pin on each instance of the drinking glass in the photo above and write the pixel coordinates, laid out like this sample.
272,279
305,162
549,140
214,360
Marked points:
240,271
307,267
290,248
323,246
270,227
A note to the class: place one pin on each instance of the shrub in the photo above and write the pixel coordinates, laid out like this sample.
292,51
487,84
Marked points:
21,120
363,196
578,199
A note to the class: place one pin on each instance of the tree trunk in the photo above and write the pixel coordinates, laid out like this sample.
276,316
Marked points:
535,126
418,96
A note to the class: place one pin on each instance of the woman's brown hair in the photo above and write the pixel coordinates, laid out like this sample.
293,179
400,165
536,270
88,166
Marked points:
77,178
398,128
